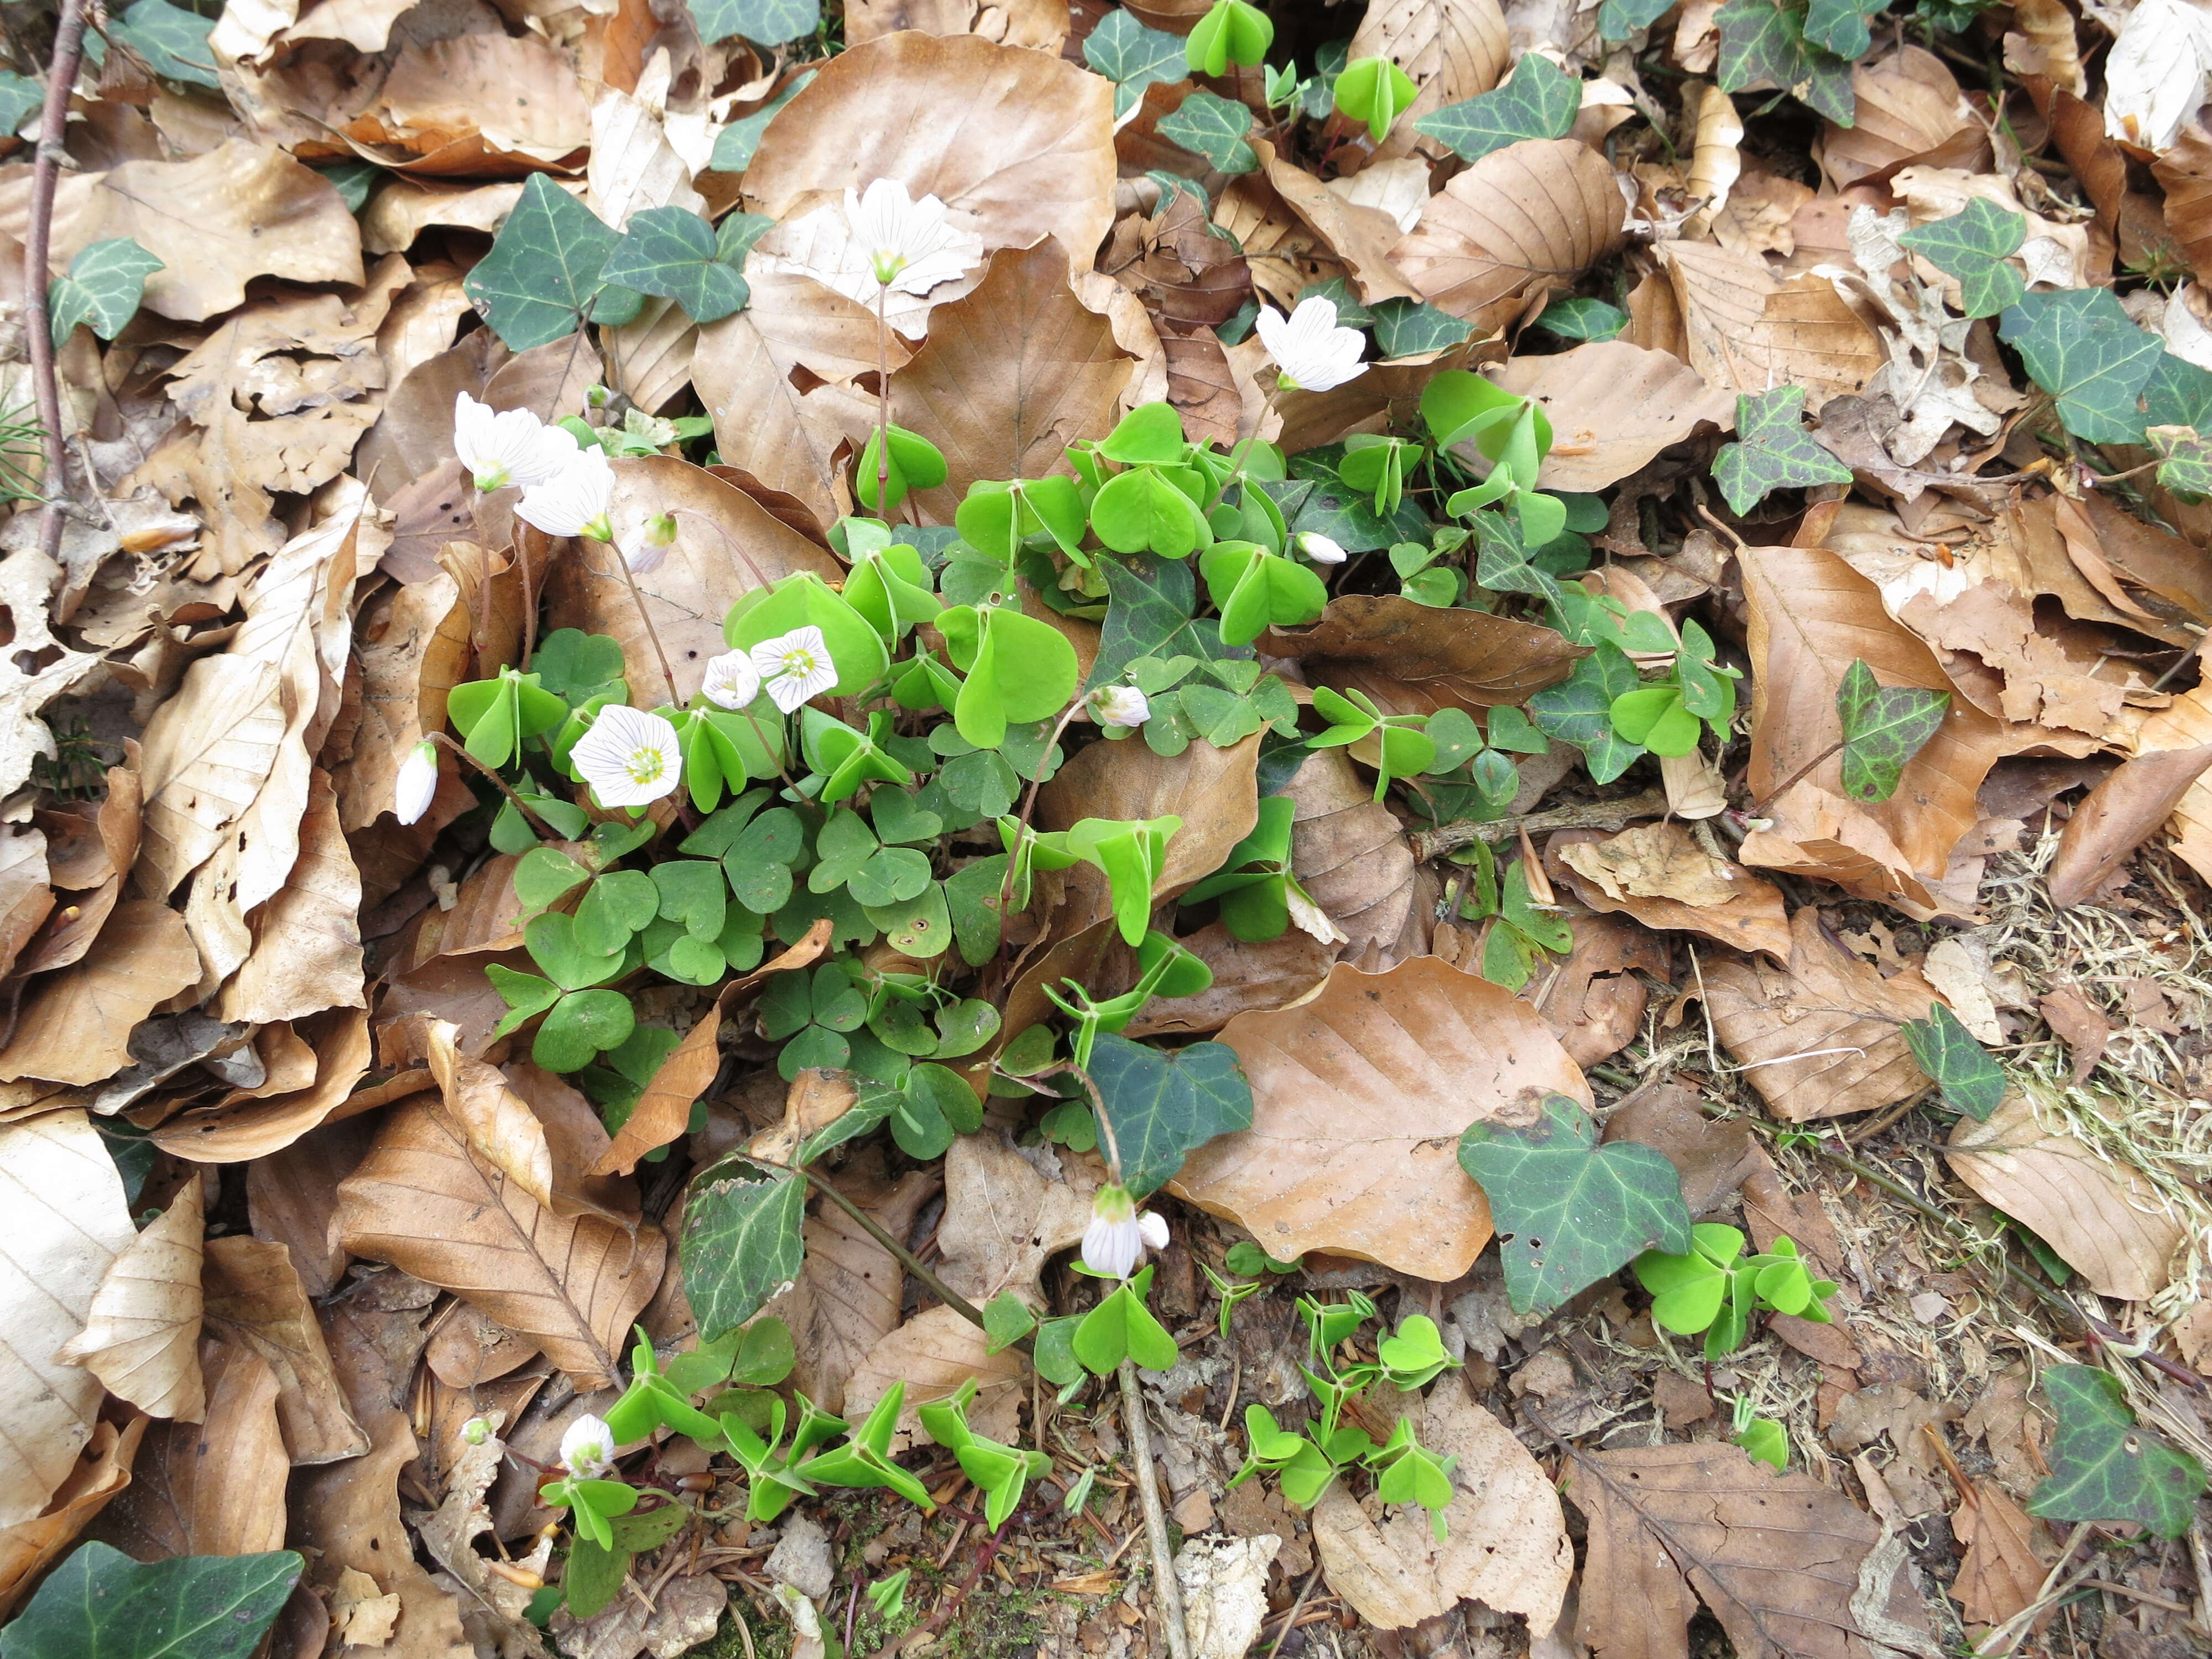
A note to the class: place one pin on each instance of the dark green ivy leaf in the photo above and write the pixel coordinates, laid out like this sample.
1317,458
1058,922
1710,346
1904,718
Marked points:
1761,40
1619,19
741,1244
735,146
1968,1075
769,22
353,180
172,41
671,252
1839,27
1973,245
1579,710
1884,727
2177,393
105,284
19,96
2105,1466
1408,328
543,267
1570,1212
1538,102
2089,354
2185,459
1208,124
1579,318
1166,1103
1149,603
1772,451
1132,56
1352,312
101,1604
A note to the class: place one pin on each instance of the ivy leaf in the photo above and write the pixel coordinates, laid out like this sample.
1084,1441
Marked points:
1208,124
2107,1466
19,96
2185,459
1837,26
101,1604
1773,451
2089,354
1165,1104
105,284
1132,56
1579,318
769,22
1973,245
1968,1075
1407,328
1579,710
1619,19
2178,393
741,1244
544,268
172,41
1570,1212
1538,102
1762,40
1884,727
735,146
1149,603
671,252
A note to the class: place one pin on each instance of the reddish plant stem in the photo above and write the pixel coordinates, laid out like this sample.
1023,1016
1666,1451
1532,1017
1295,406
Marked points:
38,241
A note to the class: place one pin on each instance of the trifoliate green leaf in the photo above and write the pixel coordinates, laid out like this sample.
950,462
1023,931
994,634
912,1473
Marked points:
770,22
1208,124
1772,450
1132,56
1569,1211
1973,246
671,252
2089,354
1762,40
1884,727
1166,1103
1538,102
101,1604
1968,1075
105,284
172,41
2105,1466
544,269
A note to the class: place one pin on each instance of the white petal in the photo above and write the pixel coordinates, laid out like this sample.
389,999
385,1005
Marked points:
1274,331
732,681
1154,1227
1312,321
417,784
605,757
1112,1247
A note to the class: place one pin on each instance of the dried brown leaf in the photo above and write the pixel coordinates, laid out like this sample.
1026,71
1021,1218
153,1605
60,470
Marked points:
1535,214
1613,406
141,1334
1416,659
1351,855
103,1469
1745,330
254,1300
2120,814
1909,112
76,1025
215,1487
1659,874
2003,1570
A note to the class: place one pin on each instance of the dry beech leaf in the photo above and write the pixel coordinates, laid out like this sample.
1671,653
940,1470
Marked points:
415,435
1908,111
2103,1219
703,577
1659,874
2003,1570
1613,406
1768,1553
254,1300
247,1129
2186,724
413,649
1009,377
142,1335
422,1201
291,1196
1821,1035
306,949
1745,330
1246,976
76,1025
1713,1157
1360,1097
2184,171
664,1109
103,1469
1594,1002
67,1221
1350,853
206,754
501,1129
1416,659
2120,814
1452,49
1506,1545
1032,155
403,207
1536,213
1361,237
215,1487
1717,156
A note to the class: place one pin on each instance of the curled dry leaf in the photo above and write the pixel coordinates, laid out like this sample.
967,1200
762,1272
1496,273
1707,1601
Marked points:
1351,855
1821,1035
76,1025
1539,212
2102,1218
1269,974
214,1487
307,939
1909,111
1506,1544
141,1334
1713,1157
1361,237
1594,1002
1659,874
1360,1097
102,1470
235,1132
2120,814
254,1300
2186,724
1715,158
1613,406
1745,330
67,1223
1416,659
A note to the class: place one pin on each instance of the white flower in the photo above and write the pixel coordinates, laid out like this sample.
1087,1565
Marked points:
645,549
795,666
1312,352
1118,1236
629,757
417,783
907,245
500,448
732,681
1318,548
587,1448
1120,705
576,501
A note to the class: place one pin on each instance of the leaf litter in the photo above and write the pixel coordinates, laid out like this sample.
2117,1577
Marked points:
1705,724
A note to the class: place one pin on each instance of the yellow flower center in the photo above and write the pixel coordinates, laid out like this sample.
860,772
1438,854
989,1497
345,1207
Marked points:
799,660
645,765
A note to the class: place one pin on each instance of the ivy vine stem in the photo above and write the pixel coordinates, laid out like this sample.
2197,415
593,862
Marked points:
38,242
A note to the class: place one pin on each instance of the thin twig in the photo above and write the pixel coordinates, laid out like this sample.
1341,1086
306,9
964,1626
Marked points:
1795,778
1597,815
445,740
1156,1520
37,239
1296,1608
